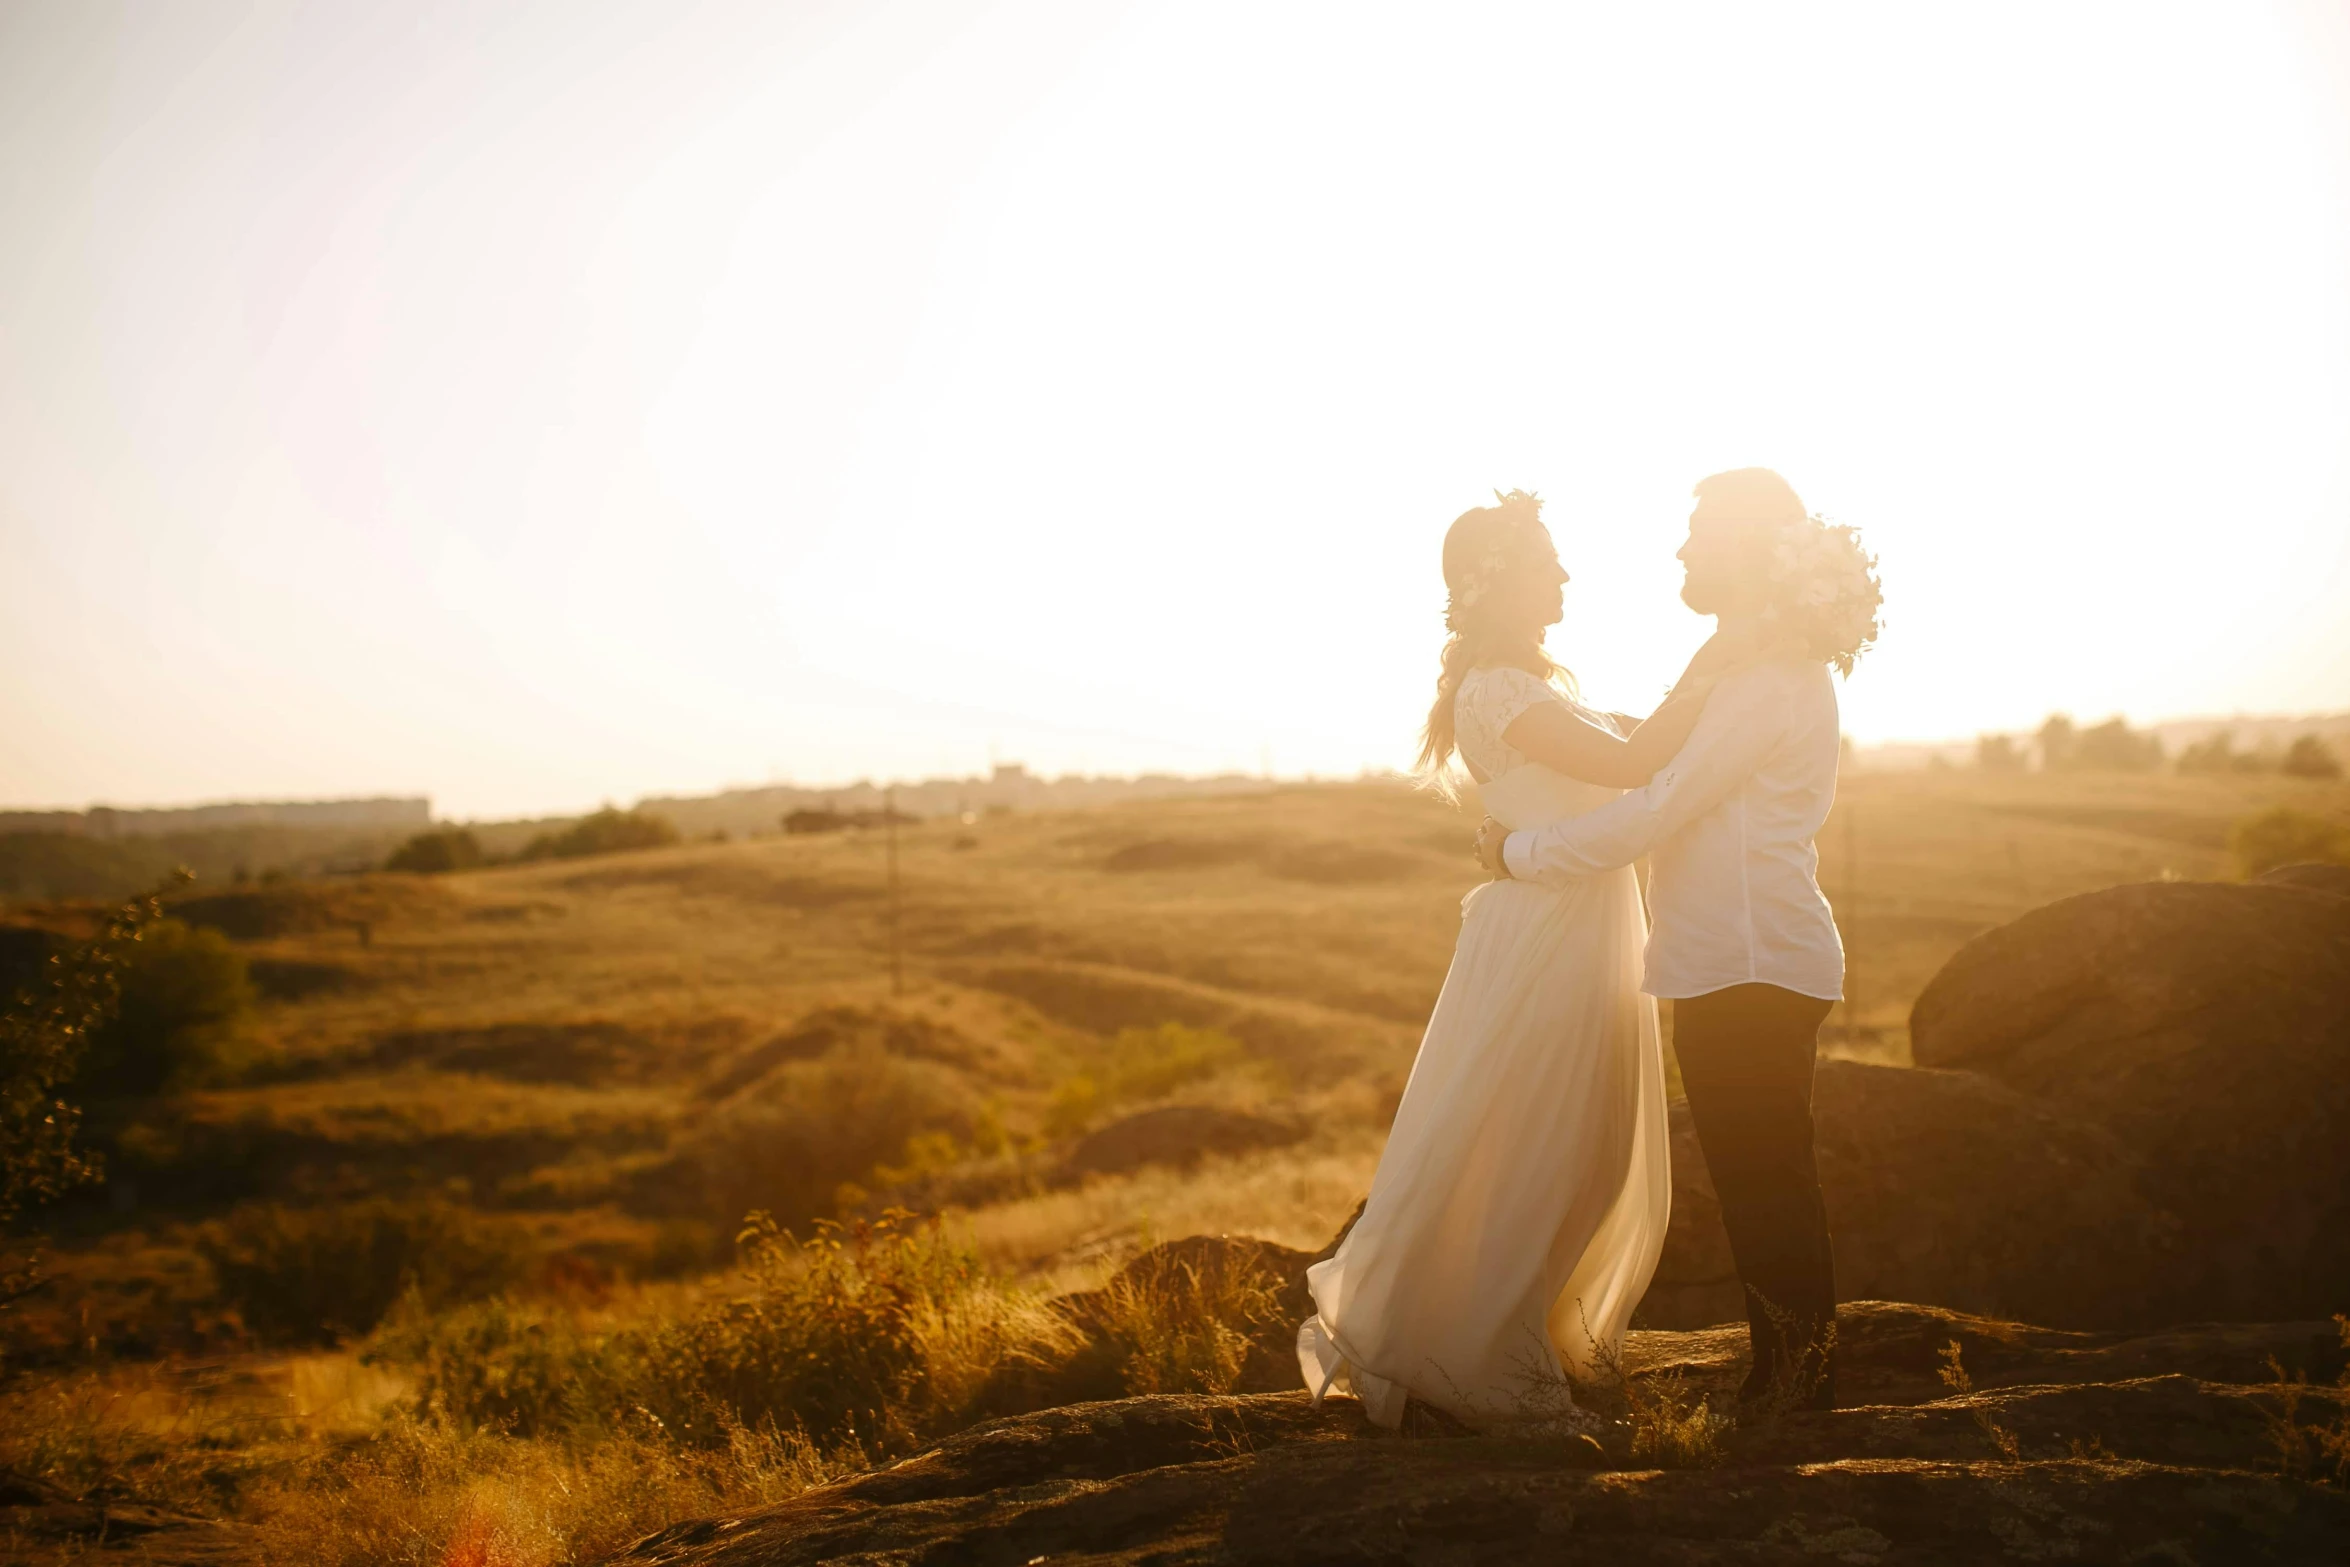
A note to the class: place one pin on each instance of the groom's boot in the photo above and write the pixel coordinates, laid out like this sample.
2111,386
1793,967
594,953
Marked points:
1794,1363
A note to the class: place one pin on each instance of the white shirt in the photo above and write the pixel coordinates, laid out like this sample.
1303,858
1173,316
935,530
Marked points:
1733,888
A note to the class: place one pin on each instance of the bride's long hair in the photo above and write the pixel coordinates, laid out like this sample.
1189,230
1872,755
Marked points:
1491,621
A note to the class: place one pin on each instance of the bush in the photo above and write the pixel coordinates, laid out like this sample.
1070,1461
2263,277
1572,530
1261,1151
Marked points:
828,1340
2310,757
497,1366
609,831
790,1144
1138,1063
2285,836
181,1020
316,1275
431,853
1185,1326
46,1022
1999,754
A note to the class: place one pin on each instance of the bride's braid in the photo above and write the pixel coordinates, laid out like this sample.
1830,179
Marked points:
1483,549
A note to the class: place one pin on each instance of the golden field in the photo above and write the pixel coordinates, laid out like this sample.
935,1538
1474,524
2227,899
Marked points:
608,1061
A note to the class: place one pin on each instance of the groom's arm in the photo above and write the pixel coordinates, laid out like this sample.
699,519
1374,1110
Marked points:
1732,739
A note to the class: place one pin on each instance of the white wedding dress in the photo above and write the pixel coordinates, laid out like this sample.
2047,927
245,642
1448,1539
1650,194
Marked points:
1519,1208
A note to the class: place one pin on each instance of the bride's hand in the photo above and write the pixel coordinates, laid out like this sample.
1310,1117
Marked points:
1491,835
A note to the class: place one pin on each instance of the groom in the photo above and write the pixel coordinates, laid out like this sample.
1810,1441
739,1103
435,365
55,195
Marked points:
1742,943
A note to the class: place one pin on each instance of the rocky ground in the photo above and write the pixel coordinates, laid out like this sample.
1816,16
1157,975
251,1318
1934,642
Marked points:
2148,1448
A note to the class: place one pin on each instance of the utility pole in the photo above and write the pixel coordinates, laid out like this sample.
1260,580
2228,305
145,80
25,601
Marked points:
889,814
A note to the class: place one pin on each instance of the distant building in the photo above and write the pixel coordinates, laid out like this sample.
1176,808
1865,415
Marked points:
412,813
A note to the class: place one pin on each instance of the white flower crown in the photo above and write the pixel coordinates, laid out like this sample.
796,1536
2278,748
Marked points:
1825,589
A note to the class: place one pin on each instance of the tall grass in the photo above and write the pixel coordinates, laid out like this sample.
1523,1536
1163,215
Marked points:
1184,1326
2311,1449
863,1338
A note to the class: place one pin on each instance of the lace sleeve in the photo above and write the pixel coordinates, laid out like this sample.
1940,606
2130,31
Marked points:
1489,701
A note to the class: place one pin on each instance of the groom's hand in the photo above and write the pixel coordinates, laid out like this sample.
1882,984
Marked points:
1491,835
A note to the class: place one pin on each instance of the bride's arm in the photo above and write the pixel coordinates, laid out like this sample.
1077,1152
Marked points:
1551,733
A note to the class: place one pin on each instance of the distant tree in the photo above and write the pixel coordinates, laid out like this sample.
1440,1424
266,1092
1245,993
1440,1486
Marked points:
2114,747
2214,755
2217,755
1999,754
2310,757
2284,836
2056,743
46,1025
442,849
608,831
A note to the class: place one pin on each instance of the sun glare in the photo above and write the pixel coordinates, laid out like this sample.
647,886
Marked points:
605,401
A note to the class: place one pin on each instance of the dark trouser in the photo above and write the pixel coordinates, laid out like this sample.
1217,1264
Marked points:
1746,1060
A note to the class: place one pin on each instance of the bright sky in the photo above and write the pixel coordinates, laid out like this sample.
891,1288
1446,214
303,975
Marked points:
532,404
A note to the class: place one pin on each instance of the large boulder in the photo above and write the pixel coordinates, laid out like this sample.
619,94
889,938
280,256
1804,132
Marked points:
2207,1026
1945,1187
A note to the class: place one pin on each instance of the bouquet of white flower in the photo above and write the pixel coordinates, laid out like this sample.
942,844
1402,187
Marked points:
1825,592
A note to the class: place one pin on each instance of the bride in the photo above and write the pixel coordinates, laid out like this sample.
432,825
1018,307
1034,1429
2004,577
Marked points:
1520,1205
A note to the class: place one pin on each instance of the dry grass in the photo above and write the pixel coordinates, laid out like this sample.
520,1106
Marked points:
1954,1377
566,1041
186,1438
1182,1327
2316,1449
1657,1420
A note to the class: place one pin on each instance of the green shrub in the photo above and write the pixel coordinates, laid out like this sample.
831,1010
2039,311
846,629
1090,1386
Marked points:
1136,1064
185,1000
790,1144
315,1275
47,1019
2282,835
431,853
497,1365
608,831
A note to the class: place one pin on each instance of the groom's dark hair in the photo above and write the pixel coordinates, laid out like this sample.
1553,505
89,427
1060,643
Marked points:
1750,495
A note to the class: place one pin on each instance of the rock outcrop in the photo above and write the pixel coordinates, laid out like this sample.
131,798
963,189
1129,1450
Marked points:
2125,1449
1945,1187
2207,1028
